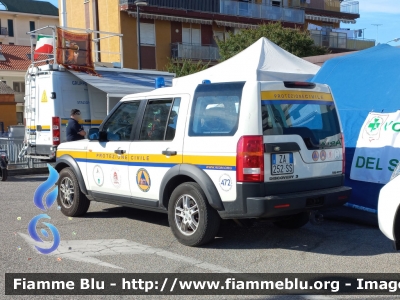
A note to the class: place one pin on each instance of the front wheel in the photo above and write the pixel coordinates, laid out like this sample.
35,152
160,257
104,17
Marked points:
72,201
294,221
3,174
191,218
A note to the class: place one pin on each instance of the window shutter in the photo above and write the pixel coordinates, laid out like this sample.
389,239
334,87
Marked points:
196,37
147,34
186,36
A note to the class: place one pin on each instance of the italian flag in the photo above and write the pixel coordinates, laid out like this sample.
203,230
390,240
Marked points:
44,45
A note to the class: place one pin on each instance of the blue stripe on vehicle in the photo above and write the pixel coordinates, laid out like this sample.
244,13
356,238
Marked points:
162,165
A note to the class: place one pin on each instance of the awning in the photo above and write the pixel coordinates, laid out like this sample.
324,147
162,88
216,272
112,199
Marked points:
121,82
329,19
235,25
171,18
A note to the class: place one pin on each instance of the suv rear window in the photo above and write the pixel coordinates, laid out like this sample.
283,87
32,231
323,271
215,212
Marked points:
215,110
315,121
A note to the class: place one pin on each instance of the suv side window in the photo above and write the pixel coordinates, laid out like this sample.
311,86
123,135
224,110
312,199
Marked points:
159,120
215,109
119,125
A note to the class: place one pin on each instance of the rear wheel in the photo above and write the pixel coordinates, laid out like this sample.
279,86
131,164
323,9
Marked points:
191,218
3,174
72,201
294,221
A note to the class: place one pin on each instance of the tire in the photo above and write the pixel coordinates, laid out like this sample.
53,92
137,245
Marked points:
75,205
205,216
3,174
294,221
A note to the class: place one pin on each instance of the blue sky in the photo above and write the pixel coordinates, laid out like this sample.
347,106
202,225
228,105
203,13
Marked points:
385,12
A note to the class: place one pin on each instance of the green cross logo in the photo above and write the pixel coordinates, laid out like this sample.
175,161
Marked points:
374,125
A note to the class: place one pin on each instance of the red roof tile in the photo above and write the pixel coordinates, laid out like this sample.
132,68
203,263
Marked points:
16,57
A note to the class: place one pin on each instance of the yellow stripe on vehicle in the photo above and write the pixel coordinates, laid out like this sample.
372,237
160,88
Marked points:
92,122
74,154
229,161
210,160
44,127
295,95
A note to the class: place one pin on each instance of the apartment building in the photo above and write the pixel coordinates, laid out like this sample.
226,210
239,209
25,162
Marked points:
17,17
187,29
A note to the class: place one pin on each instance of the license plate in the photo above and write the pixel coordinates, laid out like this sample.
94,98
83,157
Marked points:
282,163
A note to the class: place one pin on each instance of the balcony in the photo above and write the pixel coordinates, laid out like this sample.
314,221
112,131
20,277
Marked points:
260,11
339,40
346,6
3,32
211,6
194,52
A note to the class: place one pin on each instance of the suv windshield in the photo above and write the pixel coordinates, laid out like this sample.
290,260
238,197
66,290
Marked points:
315,121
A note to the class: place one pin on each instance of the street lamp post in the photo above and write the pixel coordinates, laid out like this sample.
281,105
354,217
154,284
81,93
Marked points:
139,3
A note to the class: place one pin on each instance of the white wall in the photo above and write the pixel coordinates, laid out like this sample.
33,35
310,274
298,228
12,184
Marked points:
21,26
19,97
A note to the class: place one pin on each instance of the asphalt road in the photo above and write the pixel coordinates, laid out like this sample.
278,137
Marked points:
147,245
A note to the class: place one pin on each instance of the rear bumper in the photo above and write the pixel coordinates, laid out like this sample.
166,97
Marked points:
285,204
46,152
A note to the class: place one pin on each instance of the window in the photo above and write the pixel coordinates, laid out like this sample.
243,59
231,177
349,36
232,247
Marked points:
216,109
219,35
119,125
19,87
147,34
20,117
317,123
191,36
160,119
276,3
31,25
11,43
10,27
172,120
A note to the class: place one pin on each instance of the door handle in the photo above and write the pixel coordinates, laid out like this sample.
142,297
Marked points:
169,153
118,151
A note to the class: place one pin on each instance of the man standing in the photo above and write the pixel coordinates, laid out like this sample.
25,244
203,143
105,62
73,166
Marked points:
75,131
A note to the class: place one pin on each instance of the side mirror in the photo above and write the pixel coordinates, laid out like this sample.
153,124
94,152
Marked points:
93,134
103,136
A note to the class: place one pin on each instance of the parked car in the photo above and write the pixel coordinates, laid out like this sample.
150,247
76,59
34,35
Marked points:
235,150
388,209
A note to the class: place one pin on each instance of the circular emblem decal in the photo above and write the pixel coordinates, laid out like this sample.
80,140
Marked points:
337,154
225,182
98,175
115,177
143,180
323,155
315,156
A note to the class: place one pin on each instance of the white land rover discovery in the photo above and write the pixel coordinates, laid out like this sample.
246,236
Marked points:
236,150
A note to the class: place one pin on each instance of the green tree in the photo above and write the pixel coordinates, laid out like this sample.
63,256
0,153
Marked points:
294,41
185,66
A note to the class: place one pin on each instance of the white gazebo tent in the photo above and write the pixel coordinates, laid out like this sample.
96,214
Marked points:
262,61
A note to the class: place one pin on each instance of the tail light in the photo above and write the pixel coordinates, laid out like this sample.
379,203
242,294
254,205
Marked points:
56,130
250,159
343,154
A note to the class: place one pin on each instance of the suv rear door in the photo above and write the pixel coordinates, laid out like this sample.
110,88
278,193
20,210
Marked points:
302,134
